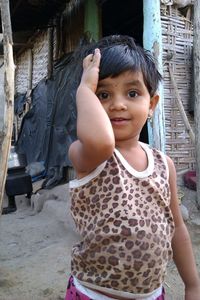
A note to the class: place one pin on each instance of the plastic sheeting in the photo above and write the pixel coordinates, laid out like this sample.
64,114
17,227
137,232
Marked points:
50,125
31,136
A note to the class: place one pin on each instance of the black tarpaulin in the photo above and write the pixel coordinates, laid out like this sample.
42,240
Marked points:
49,127
31,136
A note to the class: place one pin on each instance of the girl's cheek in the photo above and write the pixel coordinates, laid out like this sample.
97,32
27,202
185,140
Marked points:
105,107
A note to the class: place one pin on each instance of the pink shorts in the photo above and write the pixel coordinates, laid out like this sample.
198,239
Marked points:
74,294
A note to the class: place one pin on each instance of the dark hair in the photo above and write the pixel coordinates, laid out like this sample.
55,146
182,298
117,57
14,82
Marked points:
119,53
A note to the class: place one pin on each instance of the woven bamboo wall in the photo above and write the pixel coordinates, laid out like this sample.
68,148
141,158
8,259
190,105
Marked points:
66,37
177,35
21,73
40,60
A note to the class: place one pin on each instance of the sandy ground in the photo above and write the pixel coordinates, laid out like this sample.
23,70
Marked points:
36,241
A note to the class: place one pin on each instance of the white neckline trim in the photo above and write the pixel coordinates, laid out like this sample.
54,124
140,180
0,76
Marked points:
138,174
78,182
149,170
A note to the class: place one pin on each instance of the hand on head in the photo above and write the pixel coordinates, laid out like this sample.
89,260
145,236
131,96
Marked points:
90,74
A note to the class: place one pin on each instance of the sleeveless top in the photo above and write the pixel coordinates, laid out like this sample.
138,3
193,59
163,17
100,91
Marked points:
126,225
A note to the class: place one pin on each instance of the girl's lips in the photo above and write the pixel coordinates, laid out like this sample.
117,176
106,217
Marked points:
119,121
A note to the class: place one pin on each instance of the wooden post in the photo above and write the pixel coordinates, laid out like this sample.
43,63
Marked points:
6,132
152,41
92,19
196,60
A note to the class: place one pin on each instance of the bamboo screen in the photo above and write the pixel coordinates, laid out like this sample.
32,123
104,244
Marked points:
177,39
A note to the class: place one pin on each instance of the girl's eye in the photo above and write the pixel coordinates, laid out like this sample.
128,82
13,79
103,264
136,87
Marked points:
132,94
102,95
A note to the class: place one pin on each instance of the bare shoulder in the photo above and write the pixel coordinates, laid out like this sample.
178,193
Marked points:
172,169
174,202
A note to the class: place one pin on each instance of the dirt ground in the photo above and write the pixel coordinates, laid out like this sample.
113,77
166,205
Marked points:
36,241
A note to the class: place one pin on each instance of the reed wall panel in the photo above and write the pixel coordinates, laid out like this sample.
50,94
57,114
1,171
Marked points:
177,39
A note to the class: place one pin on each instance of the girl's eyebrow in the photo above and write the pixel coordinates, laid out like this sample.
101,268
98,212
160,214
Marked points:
135,82
104,85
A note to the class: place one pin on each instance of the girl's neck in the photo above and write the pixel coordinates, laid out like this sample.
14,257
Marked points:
127,145
135,155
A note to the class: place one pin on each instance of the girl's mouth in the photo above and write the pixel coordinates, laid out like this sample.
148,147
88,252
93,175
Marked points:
118,121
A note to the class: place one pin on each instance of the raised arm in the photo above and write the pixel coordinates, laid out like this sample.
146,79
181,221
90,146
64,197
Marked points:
181,244
96,141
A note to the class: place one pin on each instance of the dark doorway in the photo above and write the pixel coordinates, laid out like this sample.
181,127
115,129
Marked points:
124,17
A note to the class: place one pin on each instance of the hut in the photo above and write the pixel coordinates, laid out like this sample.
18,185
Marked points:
45,33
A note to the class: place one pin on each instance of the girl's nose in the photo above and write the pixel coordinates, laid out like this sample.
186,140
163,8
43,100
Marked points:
118,104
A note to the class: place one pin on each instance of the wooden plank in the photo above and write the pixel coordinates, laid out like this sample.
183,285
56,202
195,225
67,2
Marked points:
6,133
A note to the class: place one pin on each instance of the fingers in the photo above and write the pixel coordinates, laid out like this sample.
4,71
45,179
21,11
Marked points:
92,59
87,60
96,57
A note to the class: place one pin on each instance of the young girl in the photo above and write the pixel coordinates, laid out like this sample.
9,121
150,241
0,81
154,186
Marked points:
124,200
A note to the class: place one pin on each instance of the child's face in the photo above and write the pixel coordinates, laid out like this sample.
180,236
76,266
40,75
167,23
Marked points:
127,102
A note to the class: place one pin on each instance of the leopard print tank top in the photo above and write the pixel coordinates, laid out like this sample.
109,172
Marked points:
126,225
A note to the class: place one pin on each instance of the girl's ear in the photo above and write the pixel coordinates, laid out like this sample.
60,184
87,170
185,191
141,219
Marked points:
153,102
